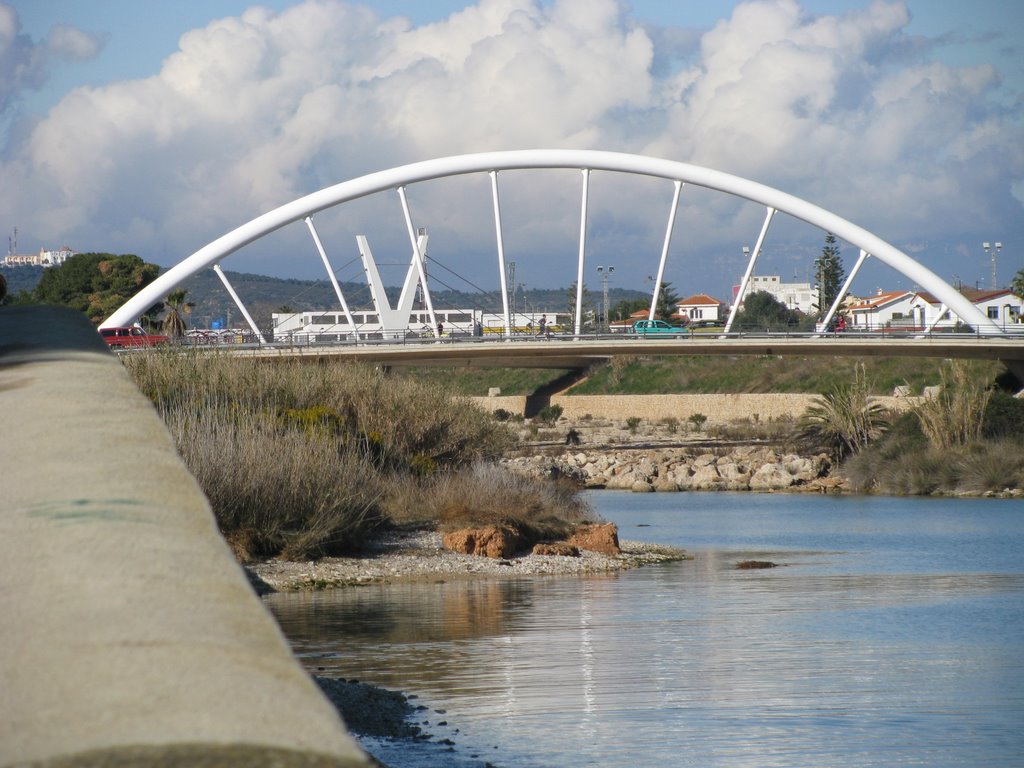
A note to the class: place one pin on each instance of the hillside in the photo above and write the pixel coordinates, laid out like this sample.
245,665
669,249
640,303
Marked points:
264,295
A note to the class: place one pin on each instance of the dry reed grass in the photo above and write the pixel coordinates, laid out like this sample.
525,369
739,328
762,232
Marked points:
489,494
302,460
955,416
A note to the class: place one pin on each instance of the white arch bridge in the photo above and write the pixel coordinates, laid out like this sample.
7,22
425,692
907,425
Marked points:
585,161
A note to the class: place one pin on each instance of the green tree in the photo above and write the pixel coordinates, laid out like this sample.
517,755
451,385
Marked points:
94,283
665,306
763,311
175,309
828,269
623,309
1017,284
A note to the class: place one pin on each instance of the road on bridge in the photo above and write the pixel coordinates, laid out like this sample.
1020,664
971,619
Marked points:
569,352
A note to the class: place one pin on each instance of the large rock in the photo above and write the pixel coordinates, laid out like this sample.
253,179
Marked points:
771,477
556,549
497,541
602,538
705,478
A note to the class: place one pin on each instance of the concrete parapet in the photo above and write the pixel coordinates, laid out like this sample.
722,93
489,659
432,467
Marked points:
130,636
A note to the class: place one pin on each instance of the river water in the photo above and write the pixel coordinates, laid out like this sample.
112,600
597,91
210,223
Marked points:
890,634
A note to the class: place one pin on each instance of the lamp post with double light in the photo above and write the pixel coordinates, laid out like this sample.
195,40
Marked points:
995,249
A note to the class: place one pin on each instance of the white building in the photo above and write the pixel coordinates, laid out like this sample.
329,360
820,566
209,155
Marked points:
886,309
1000,305
802,297
325,326
699,308
45,258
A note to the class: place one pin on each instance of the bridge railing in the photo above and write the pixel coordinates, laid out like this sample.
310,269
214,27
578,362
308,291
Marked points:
248,340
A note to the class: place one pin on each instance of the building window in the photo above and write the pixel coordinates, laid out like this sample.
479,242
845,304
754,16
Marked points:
993,313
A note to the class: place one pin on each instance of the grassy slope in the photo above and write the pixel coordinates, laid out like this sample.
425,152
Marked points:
701,375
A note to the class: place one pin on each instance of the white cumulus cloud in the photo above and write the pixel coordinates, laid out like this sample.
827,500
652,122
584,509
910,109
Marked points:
255,110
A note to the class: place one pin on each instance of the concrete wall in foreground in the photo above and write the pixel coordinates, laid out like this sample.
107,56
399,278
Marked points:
129,635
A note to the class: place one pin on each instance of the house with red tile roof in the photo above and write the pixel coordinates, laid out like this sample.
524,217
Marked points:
998,304
883,310
699,308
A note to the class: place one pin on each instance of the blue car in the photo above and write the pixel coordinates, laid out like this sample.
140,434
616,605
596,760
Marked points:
654,327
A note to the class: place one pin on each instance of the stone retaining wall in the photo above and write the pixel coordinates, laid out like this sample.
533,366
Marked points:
720,409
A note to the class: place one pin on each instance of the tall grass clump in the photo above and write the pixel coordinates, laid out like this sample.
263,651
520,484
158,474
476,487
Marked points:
845,419
297,459
276,489
908,461
490,494
955,416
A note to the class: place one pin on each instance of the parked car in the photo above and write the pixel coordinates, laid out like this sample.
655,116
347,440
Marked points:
654,327
131,337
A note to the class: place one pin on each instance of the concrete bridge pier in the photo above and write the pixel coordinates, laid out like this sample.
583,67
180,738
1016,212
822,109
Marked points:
128,634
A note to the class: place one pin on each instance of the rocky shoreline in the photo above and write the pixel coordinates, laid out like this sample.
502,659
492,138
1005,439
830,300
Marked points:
670,469
405,556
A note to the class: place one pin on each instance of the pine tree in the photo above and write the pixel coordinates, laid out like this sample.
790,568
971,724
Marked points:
668,299
828,268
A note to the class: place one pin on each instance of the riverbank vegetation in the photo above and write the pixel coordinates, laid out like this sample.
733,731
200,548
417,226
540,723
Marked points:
301,460
964,439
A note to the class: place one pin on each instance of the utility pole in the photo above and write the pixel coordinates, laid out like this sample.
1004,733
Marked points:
995,249
605,275
511,282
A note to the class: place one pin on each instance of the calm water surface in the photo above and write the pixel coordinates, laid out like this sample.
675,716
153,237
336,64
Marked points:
892,634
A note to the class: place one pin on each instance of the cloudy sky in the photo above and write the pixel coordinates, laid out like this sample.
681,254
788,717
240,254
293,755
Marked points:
152,127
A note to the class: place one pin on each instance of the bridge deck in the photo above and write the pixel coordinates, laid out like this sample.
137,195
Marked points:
560,352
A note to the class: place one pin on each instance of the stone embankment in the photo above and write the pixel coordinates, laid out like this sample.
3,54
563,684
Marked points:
743,468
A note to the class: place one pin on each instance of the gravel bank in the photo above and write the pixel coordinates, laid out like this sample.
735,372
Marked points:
418,556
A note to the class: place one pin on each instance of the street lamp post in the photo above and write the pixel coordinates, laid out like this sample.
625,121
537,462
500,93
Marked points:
605,275
996,248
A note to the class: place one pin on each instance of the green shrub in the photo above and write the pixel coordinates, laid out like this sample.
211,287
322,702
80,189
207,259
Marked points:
697,420
549,414
990,467
1004,417
632,423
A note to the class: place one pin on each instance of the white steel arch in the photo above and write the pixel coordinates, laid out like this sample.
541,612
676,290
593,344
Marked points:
585,160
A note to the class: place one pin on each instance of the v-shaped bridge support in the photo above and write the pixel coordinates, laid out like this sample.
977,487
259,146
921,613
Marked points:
395,320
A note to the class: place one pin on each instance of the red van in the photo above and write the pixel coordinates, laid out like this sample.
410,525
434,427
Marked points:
134,336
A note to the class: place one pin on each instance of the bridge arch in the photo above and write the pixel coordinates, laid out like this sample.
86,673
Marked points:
584,160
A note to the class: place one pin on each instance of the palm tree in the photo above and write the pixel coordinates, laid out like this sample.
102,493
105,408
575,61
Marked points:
176,308
1017,284
845,419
